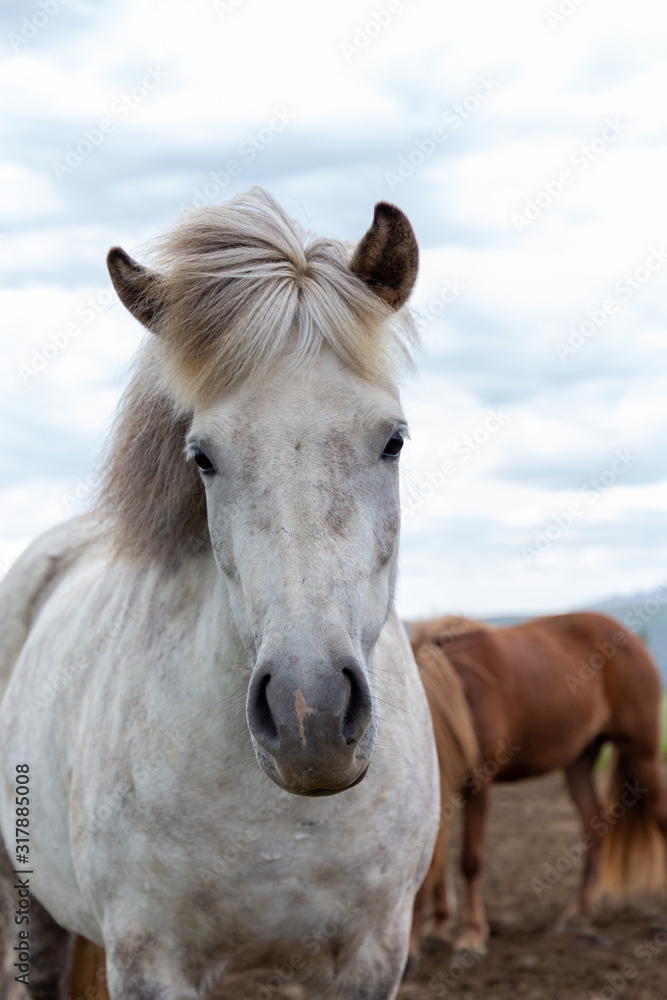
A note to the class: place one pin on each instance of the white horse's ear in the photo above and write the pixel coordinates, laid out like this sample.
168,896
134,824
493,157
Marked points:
387,257
138,287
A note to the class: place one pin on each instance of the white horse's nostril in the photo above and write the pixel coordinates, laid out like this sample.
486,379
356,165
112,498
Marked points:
315,721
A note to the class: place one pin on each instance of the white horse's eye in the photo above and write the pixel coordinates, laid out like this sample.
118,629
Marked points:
204,463
393,446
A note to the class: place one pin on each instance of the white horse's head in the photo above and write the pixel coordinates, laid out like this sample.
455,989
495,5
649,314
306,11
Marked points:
275,354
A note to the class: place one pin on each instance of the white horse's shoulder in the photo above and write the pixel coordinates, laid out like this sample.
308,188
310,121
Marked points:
30,581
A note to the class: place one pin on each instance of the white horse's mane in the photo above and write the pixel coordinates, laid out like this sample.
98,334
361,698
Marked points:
234,287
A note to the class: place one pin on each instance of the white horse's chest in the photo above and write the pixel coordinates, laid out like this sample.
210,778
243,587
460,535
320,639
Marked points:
154,792
255,863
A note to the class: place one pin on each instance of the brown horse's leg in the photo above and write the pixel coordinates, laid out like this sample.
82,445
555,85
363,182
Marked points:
438,925
581,786
435,891
474,928
444,905
414,950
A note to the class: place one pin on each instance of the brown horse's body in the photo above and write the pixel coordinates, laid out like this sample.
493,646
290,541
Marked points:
548,695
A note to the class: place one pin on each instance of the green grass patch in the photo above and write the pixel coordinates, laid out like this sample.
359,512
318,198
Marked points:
604,758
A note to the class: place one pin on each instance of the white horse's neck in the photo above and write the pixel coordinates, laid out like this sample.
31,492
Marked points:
197,583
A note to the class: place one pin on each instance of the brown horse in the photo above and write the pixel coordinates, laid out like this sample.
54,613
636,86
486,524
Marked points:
548,695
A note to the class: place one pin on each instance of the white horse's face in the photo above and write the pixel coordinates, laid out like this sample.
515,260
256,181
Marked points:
302,491
300,466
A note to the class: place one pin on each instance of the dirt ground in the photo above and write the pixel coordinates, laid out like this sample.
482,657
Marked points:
531,826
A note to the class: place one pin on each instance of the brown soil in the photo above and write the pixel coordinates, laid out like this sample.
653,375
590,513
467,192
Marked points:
530,825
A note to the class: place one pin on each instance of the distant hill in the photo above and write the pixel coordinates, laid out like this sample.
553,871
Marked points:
643,613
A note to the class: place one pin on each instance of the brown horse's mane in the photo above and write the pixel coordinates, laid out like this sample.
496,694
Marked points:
234,287
448,634
444,629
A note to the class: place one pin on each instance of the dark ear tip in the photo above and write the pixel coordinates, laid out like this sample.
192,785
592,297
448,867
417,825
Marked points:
386,208
386,212
117,258
391,215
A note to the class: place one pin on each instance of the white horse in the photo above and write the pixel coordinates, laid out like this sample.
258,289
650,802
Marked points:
200,673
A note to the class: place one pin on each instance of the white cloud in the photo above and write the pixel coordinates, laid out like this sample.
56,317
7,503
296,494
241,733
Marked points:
354,117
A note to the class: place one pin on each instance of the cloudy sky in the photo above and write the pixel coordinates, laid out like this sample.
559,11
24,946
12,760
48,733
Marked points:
527,142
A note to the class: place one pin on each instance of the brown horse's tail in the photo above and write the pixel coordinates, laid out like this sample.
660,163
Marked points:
455,739
633,854
458,753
